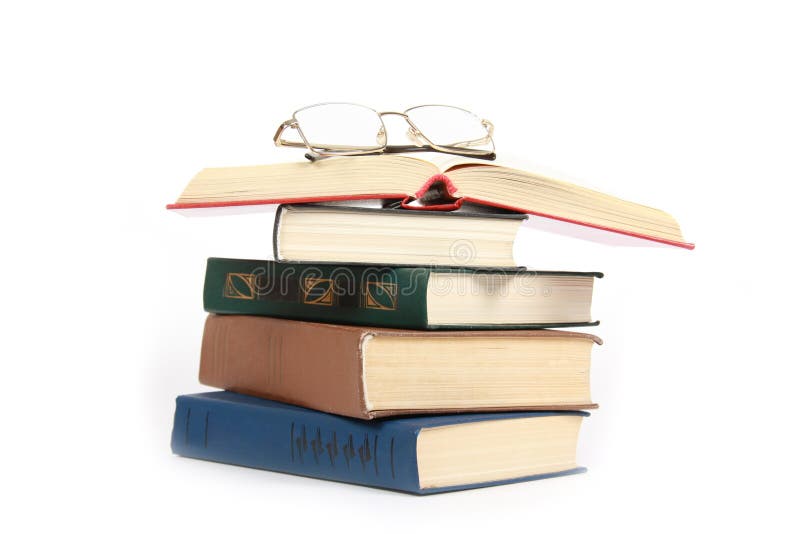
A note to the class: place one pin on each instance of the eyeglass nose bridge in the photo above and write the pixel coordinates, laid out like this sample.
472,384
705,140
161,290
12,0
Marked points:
400,113
413,133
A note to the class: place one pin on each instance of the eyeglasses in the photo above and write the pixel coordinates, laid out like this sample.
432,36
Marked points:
342,129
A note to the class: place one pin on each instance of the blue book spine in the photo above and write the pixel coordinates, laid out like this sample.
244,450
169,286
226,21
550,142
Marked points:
237,429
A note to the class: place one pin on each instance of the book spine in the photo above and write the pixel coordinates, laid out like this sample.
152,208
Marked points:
308,364
394,297
295,441
276,226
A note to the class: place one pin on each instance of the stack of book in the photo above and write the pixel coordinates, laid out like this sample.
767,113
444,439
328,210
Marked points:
388,347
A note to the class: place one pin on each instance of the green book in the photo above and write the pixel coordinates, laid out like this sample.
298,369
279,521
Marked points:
400,296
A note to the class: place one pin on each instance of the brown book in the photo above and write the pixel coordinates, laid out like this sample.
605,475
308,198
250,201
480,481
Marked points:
367,372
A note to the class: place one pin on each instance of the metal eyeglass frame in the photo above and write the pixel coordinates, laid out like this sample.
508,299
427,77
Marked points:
421,142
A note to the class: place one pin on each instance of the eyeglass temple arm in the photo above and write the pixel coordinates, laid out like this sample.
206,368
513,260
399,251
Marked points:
279,141
400,149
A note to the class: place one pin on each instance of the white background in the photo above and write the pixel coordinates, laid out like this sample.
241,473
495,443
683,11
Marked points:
108,109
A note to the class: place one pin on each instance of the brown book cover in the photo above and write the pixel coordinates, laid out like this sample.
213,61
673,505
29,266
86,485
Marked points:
319,366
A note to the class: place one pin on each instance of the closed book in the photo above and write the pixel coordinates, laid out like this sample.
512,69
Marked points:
368,372
350,234
420,455
400,297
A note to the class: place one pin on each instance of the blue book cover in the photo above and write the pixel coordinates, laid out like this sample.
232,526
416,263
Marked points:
238,429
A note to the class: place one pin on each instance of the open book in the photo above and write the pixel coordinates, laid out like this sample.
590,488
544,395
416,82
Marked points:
403,177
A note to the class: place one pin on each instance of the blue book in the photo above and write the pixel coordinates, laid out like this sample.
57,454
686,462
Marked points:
428,454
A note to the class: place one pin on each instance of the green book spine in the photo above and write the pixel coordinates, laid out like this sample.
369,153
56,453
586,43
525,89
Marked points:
393,297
